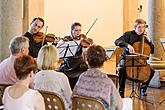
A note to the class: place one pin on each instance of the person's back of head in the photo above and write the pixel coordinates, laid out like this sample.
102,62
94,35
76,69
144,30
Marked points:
19,96
48,58
96,56
19,44
23,66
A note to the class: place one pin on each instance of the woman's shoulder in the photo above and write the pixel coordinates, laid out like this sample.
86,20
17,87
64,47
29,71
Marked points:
61,74
51,73
34,94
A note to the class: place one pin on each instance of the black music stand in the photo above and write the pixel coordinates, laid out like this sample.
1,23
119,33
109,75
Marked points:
109,52
67,49
162,40
135,61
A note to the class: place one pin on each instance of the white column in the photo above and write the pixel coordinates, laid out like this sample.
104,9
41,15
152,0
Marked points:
156,23
10,23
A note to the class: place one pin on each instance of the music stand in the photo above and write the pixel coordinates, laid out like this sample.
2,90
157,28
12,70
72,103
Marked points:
109,52
67,49
162,40
135,61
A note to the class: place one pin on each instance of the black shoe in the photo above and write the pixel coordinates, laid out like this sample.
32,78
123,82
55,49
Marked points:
121,94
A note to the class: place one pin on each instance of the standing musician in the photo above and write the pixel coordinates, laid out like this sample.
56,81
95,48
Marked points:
33,34
73,66
126,41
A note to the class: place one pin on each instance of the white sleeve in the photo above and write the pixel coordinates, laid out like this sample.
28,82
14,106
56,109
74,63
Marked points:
4,94
67,90
38,101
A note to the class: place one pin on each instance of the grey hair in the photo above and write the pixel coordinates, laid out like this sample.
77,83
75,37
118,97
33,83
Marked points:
17,43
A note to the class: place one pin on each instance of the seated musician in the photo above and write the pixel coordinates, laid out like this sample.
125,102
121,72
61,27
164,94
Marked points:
35,44
126,41
73,66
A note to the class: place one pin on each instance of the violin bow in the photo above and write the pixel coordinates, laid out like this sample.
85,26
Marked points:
43,40
91,26
155,58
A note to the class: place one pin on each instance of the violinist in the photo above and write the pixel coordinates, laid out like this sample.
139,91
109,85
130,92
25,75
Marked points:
126,41
33,32
74,64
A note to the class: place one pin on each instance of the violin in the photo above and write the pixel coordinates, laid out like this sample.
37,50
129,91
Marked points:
85,42
40,37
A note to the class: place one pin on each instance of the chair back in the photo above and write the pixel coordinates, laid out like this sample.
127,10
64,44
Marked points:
86,103
2,89
53,101
118,52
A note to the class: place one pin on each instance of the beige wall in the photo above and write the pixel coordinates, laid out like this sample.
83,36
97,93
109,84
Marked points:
59,14
36,9
131,12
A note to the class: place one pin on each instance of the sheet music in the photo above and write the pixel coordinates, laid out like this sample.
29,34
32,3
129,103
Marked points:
67,49
162,40
109,52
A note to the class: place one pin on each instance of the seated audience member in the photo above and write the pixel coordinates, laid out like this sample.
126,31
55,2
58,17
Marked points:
94,83
50,80
18,46
20,96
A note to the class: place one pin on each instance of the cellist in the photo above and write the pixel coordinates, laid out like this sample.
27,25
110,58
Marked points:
126,41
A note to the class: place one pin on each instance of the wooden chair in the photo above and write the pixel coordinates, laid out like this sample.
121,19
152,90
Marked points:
2,88
118,52
86,103
52,100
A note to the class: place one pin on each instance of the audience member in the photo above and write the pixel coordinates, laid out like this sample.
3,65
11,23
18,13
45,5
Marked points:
18,46
20,96
94,83
50,80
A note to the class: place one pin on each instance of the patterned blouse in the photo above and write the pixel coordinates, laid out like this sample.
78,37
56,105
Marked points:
96,84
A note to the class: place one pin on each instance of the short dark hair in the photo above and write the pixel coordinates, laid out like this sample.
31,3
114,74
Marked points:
74,25
96,56
23,65
42,20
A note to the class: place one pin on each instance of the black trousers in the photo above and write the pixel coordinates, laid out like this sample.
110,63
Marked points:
73,74
122,79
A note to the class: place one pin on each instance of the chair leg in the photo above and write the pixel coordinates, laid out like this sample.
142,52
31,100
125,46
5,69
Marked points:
116,80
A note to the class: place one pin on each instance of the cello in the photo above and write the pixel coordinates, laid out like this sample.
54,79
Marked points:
141,73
